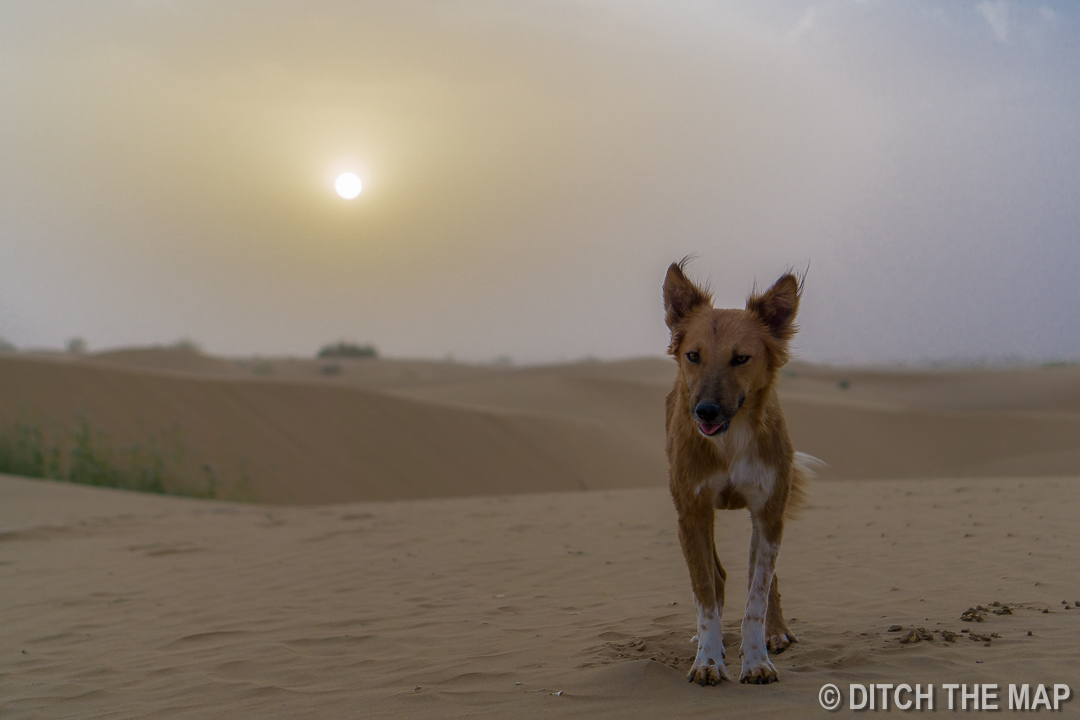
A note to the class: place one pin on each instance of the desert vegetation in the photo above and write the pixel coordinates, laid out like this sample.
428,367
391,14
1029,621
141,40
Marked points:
156,462
343,349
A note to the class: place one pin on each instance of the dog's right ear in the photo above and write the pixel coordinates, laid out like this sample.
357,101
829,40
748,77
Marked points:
681,297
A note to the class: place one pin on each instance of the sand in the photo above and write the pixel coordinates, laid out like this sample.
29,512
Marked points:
501,587
286,432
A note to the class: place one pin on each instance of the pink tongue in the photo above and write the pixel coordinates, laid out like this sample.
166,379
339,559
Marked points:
708,429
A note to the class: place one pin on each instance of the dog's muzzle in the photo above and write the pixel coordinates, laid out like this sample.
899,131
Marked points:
710,420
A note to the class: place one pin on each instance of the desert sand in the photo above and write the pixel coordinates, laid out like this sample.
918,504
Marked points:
424,539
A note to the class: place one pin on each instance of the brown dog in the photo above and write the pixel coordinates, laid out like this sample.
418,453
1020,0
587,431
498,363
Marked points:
728,448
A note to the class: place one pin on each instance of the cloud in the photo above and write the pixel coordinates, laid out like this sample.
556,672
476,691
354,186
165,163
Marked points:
997,15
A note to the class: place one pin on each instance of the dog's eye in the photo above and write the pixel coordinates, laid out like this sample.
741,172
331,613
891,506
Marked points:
693,357
740,360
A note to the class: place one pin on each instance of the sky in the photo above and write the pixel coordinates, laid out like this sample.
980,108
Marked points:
531,168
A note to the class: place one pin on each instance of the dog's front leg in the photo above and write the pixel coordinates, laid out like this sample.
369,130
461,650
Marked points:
764,547
696,537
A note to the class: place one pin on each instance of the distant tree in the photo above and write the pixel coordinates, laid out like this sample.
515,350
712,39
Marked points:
7,347
76,346
187,345
344,349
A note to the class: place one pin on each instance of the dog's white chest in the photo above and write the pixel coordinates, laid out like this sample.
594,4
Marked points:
747,474
752,479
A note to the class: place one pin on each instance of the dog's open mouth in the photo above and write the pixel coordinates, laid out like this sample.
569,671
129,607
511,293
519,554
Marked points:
710,430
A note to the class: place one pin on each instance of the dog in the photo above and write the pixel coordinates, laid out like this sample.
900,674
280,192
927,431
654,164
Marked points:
728,448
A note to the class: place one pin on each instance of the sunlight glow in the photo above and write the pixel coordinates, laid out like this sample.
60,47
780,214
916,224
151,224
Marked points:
348,186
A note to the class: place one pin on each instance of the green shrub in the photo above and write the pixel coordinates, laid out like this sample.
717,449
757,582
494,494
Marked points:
156,463
89,460
24,452
262,367
187,345
344,349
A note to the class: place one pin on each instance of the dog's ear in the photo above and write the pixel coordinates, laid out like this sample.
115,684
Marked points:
777,306
681,296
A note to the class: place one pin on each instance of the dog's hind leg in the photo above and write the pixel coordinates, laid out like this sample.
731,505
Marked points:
707,579
778,635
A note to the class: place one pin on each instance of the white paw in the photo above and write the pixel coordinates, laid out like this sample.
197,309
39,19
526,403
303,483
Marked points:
761,672
709,672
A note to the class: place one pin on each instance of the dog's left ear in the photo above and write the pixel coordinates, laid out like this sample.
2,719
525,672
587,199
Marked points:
778,306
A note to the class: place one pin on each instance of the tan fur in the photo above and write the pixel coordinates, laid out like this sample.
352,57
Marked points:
729,361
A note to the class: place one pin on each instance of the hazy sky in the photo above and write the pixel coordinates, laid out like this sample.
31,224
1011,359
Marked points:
531,168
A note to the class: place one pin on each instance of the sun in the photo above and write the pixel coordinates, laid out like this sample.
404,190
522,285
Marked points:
348,185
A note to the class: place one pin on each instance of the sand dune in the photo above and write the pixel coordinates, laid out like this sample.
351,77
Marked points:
168,360
1039,390
304,442
386,429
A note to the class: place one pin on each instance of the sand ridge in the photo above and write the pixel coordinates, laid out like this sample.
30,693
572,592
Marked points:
286,431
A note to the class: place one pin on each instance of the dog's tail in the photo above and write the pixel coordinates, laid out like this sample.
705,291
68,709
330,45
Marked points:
803,469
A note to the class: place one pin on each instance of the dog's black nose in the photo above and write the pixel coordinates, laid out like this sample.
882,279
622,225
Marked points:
707,412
